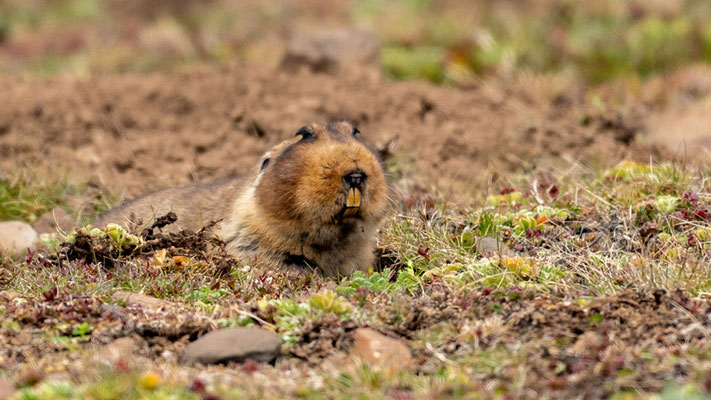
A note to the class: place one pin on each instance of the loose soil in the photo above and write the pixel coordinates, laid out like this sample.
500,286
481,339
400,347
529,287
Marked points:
574,345
129,134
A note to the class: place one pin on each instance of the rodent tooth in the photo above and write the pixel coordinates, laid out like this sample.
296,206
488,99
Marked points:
353,198
350,202
356,195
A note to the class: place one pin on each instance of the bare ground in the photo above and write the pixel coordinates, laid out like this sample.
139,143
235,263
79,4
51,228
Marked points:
128,134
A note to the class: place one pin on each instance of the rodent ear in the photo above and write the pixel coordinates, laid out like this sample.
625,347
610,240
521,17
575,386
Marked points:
264,164
305,133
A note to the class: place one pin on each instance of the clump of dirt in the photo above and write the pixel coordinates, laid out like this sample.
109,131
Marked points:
322,338
202,245
413,315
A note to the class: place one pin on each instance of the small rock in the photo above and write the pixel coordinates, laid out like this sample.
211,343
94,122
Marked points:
586,342
333,49
119,354
491,247
378,350
137,299
56,220
234,345
20,339
8,295
16,237
167,355
683,129
7,389
119,349
114,311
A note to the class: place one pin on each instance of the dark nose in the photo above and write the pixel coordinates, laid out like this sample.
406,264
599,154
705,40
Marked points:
354,179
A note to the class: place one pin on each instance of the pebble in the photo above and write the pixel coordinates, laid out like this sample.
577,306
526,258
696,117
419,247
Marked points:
119,349
56,220
331,50
233,345
137,299
380,351
8,295
16,237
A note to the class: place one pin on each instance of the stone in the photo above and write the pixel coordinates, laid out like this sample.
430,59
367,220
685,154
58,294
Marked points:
137,299
8,295
119,353
683,129
119,349
233,345
332,50
16,237
7,389
114,311
53,221
380,351
491,247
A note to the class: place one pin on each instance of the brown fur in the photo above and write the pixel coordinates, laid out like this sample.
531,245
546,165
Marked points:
291,213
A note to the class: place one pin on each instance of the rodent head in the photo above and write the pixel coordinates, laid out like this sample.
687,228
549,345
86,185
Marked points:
324,176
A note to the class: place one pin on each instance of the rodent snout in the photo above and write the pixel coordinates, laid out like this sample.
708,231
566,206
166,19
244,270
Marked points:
354,179
353,182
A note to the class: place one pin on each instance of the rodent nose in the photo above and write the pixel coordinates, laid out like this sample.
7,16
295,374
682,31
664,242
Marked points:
354,179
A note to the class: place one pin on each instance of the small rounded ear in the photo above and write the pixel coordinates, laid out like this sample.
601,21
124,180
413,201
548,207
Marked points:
264,164
305,133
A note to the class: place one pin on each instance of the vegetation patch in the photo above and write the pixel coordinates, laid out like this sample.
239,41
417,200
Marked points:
602,289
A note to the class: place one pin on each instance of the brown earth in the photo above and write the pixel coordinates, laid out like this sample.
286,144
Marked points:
574,345
130,133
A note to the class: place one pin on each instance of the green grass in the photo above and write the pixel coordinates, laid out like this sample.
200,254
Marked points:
633,224
27,201
598,42
30,192
575,240
21,16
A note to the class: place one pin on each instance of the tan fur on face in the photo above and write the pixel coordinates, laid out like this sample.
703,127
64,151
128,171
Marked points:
307,184
291,213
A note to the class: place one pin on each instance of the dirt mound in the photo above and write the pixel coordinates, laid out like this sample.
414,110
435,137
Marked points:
133,133
117,245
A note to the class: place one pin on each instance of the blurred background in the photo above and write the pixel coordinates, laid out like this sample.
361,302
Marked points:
442,41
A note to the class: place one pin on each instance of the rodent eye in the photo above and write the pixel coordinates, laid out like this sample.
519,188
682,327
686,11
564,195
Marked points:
305,133
355,131
264,164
